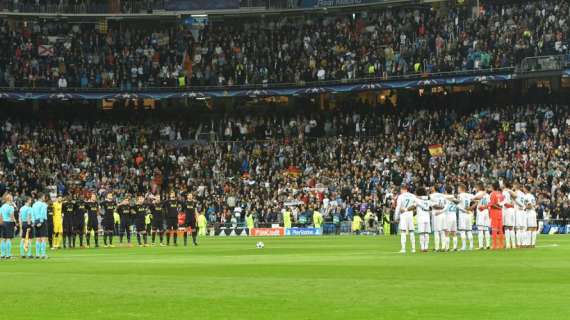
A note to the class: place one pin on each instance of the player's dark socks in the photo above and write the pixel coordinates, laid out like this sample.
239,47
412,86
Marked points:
88,238
168,238
105,238
110,235
81,240
176,238
161,236
64,241
194,236
185,238
74,237
121,238
153,237
128,237
50,240
145,238
139,238
96,236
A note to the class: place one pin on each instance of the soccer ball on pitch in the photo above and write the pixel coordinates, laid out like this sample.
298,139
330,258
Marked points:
260,245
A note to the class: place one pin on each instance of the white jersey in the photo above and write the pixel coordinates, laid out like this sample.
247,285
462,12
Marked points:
530,203
529,200
451,207
520,200
405,201
464,202
422,207
508,202
403,210
484,201
440,200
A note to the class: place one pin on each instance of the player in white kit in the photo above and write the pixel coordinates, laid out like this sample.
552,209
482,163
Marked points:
405,205
483,220
520,215
509,217
439,209
532,225
423,218
465,219
451,221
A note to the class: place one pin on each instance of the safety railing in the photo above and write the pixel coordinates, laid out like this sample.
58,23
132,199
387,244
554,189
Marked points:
543,63
266,86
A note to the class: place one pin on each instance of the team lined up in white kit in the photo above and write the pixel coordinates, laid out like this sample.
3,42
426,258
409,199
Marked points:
502,211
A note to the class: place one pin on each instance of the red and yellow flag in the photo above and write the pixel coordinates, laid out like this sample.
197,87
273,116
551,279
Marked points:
435,150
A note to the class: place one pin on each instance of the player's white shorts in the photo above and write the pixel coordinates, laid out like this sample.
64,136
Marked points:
438,222
424,225
531,219
406,221
483,219
520,219
450,222
465,222
509,217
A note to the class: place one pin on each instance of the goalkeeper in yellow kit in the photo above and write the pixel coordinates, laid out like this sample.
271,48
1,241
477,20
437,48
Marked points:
57,223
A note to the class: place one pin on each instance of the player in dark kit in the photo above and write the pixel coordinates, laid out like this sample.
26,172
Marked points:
68,209
191,218
141,210
157,220
92,221
108,208
79,220
126,215
50,223
171,208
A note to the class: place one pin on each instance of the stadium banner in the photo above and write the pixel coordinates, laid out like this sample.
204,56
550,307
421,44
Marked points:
303,231
190,93
189,5
267,232
337,3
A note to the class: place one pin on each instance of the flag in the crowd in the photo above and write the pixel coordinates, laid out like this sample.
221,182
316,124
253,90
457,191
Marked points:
293,171
46,50
187,64
435,150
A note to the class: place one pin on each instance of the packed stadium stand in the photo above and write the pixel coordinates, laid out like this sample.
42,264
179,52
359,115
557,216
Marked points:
84,107
374,43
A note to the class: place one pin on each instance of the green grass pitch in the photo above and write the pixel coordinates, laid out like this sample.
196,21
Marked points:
291,278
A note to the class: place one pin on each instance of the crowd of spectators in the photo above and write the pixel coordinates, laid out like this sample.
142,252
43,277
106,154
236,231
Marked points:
82,6
340,163
379,42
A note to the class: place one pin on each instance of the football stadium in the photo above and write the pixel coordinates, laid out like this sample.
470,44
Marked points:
284,159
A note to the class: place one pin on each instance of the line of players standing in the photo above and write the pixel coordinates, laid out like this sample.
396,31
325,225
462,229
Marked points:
77,218
508,214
